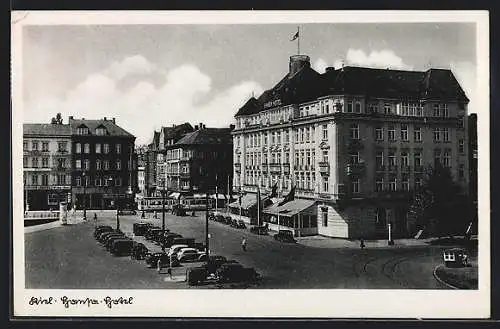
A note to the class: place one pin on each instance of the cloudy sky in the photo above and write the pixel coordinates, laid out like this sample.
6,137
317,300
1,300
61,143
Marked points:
152,75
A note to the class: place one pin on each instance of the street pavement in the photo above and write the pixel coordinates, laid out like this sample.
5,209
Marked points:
69,257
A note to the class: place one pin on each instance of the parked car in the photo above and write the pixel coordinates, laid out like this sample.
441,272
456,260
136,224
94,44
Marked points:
102,228
122,247
196,276
188,255
241,224
188,241
214,262
228,220
455,257
141,228
260,230
219,218
103,235
168,238
174,249
211,216
112,239
139,251
152,259
151,231
200,246
234,223
235,273
284,236
106,236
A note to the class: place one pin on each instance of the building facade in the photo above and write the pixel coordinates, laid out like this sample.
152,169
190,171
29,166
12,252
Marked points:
46,165
104,168
200,161
354,140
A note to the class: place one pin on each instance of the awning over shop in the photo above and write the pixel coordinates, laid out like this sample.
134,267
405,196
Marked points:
247,201
174,195
290,208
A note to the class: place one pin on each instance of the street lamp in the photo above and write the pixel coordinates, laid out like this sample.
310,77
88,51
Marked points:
110,180
84,195
163,218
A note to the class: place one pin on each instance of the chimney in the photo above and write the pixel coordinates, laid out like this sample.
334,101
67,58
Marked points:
297,63
114,120
104,118
196,127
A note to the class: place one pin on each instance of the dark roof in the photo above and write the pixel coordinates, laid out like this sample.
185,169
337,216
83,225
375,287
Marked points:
307,85
175,131
46,129
207,136
112,128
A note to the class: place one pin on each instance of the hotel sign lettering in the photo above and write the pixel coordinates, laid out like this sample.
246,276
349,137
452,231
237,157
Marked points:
276,102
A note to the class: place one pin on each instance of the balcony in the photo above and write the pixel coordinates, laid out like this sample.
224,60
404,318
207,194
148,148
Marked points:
419,169
405,168
237,167
354,144
184,158
324,168
355,168
184,188
61,151
286,168
275,168
185,175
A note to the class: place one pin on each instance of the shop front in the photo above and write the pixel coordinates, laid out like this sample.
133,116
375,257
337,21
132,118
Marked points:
299,216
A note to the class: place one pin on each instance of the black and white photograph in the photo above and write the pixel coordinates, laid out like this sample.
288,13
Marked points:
251,164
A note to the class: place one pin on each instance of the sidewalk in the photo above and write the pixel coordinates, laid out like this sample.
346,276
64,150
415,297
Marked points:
319,241
77,219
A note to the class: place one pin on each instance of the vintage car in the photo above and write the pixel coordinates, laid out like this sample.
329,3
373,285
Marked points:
260,230
139,251
188,255
196,276
234,272
141,228
122,247
102,228
284,236
152,260
455,257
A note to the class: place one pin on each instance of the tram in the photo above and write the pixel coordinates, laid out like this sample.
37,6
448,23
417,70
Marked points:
153,203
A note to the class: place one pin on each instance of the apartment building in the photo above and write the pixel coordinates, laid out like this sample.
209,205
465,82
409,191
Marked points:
356,141
46,165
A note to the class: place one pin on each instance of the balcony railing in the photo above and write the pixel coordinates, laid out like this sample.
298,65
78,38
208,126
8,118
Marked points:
185,175
355,168
275,167
286,168
324,168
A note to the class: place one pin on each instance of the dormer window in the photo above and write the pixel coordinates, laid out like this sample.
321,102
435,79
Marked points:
82,130
100,131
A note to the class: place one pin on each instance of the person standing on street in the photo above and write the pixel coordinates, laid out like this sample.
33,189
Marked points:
244,244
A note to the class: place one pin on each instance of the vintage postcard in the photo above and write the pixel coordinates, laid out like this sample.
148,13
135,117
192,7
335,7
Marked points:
319,164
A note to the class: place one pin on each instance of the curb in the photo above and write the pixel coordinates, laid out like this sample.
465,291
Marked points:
436,276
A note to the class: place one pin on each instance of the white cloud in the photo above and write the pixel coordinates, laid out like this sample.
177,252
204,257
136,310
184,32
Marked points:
466,75
320,65
144,107
131,65
379,59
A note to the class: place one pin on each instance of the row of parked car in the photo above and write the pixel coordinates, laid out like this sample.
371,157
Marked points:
114,240
227,220
221,270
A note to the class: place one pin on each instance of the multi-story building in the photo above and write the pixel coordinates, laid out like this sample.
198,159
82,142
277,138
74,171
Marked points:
150,165
354,141
168,136
473,156
47,165
104,168
200,161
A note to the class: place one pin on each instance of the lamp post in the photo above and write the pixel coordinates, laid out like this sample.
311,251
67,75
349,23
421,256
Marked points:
163,218
110,180
84,195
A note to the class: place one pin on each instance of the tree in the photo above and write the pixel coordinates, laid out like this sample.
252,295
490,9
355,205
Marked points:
439,206
57,120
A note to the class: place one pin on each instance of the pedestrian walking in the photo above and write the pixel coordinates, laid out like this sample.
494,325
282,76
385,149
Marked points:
362,243
95,219
143,215
244,244
159,265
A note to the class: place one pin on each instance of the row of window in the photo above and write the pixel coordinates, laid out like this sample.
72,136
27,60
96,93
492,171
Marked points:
99,148
34,179
43,162
100,131
99,164
44,146
98,181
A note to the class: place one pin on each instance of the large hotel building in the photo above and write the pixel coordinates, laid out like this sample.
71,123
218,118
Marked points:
354,142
